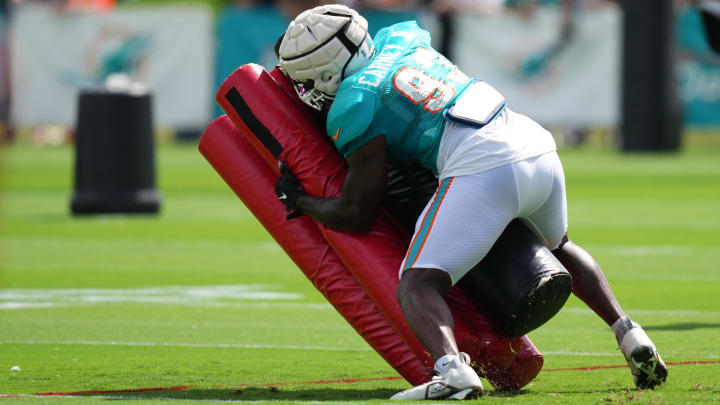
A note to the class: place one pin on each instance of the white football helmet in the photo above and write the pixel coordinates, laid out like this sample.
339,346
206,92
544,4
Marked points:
320,48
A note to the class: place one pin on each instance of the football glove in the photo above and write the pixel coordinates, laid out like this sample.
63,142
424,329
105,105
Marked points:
288,188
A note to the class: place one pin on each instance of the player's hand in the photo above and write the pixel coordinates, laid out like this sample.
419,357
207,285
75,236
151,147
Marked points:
287,187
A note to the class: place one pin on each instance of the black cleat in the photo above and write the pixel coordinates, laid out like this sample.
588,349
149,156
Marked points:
648,368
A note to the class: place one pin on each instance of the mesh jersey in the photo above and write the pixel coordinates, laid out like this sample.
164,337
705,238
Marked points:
402,93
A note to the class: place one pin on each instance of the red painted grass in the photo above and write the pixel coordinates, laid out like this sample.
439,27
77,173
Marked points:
670,363
340,381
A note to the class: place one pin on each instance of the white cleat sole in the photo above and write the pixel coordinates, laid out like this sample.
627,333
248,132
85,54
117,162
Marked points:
467,393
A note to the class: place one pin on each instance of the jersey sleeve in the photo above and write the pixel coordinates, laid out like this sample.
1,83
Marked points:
348,121
421,34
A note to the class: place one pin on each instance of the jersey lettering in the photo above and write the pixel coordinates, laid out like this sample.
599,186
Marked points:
364,80
379,67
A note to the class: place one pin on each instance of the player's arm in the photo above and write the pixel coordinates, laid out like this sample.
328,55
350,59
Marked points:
362,192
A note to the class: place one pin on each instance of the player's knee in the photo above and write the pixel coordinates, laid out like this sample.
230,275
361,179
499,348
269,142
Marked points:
420,281
561,244
401,290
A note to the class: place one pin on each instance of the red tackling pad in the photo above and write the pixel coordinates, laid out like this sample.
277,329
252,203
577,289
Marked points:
263,108
253,181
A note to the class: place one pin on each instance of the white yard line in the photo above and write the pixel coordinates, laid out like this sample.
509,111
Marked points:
176,344
252,296
28,305
152,294
259,295
248,346
580,354
246,305
661,312
649,250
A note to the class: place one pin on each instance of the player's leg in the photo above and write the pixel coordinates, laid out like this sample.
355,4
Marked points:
549,221
420,295
546,215
589,282
592,287
543,207
457,228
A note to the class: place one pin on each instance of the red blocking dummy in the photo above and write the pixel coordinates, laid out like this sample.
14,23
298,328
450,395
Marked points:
253,100
281,131
524,368
507,363
231,154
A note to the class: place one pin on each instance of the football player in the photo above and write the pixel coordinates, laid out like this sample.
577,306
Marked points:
394,98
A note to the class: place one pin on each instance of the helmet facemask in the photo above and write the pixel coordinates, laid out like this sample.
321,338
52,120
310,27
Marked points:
312,96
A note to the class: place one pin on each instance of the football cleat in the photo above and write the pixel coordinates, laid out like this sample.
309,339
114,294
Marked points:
646,365
648,368
460,382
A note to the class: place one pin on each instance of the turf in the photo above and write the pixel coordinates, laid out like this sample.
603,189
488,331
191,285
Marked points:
200,298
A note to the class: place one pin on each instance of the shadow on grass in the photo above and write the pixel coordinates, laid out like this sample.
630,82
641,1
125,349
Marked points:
260,394
49,218
683,326
505,394
279,394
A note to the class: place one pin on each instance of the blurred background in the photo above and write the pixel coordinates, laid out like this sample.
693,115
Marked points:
195,295
636,74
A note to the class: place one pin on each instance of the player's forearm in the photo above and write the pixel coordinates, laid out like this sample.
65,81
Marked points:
336,213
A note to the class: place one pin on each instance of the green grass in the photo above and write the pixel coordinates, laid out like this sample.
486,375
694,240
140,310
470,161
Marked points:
651,220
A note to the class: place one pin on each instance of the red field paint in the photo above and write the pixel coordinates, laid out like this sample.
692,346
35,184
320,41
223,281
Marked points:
340,381
685,363
670,363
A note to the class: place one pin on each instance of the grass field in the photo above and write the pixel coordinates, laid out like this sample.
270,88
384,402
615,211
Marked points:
201,299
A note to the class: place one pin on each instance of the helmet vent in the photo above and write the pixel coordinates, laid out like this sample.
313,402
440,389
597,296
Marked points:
311,32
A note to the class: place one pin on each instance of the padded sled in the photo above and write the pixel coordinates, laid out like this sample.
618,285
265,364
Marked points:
254,102
519,279
281,130
231,154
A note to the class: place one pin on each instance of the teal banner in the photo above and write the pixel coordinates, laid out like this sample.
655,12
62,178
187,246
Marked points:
698,72
248,35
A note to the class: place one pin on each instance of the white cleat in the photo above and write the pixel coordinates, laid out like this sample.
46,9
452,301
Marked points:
646,365
460,382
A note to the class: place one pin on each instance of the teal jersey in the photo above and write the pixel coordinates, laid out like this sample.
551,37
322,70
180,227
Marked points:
402,93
